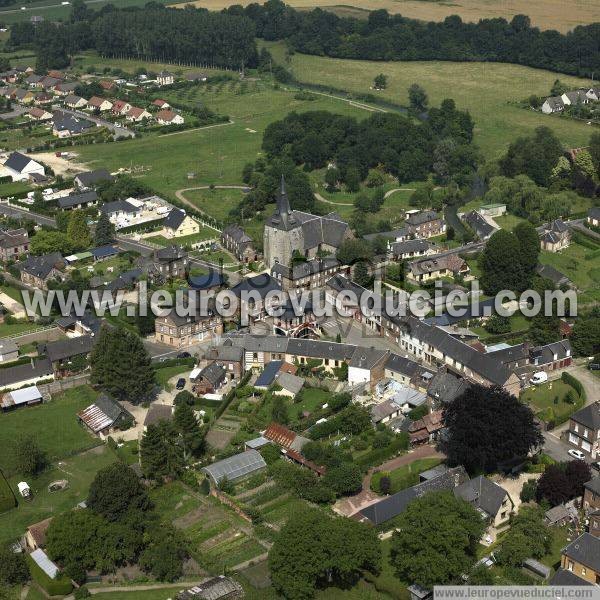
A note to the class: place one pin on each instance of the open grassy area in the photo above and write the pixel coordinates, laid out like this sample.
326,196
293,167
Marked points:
485,89
205,233
575,262
545,14
548,400
406,476
216,203
54,425
215,154
79,470
518,322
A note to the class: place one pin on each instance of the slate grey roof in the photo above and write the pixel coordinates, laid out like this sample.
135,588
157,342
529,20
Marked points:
236,233
594,212
38,367
563,577
235,467
305,269
394,234
410,246
89,178
223,352
213,373
175,218
479,224
157,413
17,161
483,494
13,238
554,275
119,206
423,216
215,588
289,382
593,485
320,349
69,347
588,416
41,266
555,102
8,346
446,387
510,354
262,343
76,199
543,355
585,550
72,99
366,358
400,364
340,283
170,253
393,505
67,122
263,284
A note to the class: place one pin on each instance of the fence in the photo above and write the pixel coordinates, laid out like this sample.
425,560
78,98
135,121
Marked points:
60,385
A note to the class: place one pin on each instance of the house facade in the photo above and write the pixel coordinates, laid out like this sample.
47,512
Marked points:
425,224
556,236
13,244
179,224
182,331
584,429
239,243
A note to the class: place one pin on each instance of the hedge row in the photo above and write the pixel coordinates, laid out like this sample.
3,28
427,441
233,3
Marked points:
574,383
379,455
61,586
7,497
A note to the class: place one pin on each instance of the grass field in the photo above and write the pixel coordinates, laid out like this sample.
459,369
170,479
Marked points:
218,154
54,425
542,400
485,89
216,203
583,272
545,14
405,476
79,470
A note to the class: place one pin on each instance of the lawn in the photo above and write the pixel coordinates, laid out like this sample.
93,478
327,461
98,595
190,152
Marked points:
13,292
216,203
486,90
205,233
163,374
309,399
79,470
508,221
158,594
577,265
548,400
518,323
16,187
216,155
7,329
54,425
406,476
172,501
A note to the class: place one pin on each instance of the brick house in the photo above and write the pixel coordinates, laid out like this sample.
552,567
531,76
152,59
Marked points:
239,243
36,271
13,243
425,224
582,558
591,494
183,331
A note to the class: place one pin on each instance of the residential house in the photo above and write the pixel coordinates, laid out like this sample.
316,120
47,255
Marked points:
550,357
482,226
426,429
68,125
410,249
183,331
425,224
161,103
32,80
237,241
35,536
291,385
120,212
90,179
256,295
367,365
42,99
99,104
105,416
81,200
170,262
294,321
165,78
168,117
446,387
30,373
235,468
554,275
445,265
582,558
593,94
394,505
48,83
65,88
23,96
36,271
107,85
56,74
209,379
73,101
21,168
13,244
490,499
196,77
593,216
70,355
395,235
591,494
213,280
214,588
120,107
575,97
307,275
9,351
39,114
584,429
556,236
553,104
178,224
157,413
136,114
230,357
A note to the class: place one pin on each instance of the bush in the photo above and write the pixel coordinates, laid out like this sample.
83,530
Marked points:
81,592
61,586
529,490
574,383
379,455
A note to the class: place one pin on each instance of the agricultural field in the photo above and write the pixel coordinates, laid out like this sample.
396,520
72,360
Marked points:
53,424
488,90
545,14
215,154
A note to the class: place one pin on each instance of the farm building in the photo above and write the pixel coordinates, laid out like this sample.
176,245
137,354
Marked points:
24,397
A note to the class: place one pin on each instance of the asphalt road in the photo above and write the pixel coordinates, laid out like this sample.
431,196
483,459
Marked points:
19,213
120,132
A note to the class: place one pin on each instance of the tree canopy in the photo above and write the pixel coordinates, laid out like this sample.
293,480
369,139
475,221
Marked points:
487,426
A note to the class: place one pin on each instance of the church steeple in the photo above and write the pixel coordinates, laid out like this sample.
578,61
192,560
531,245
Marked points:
283,204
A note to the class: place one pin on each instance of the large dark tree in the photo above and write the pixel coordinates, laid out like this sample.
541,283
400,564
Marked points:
105,231
487,426
554,486
190,434
529,245
314,550
501,264
117,493
436,540
578,472
30,459
13,568
121,365
162,450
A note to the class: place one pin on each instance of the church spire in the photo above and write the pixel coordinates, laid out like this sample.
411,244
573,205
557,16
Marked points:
283,204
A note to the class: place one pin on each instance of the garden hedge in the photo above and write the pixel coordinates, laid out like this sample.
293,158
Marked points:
7,497
61,586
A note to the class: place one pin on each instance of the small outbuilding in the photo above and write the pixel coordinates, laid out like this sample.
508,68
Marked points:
235,467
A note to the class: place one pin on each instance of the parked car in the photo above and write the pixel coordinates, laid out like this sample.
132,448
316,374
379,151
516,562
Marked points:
594,366
184,355
539,377
578,454
180,383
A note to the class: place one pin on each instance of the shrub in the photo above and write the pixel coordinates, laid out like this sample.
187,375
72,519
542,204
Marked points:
81,592
61,586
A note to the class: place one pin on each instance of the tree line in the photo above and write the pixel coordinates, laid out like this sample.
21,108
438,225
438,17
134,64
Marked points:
394,37
152,32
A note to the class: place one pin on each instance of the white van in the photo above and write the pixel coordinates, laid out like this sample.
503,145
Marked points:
539,377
